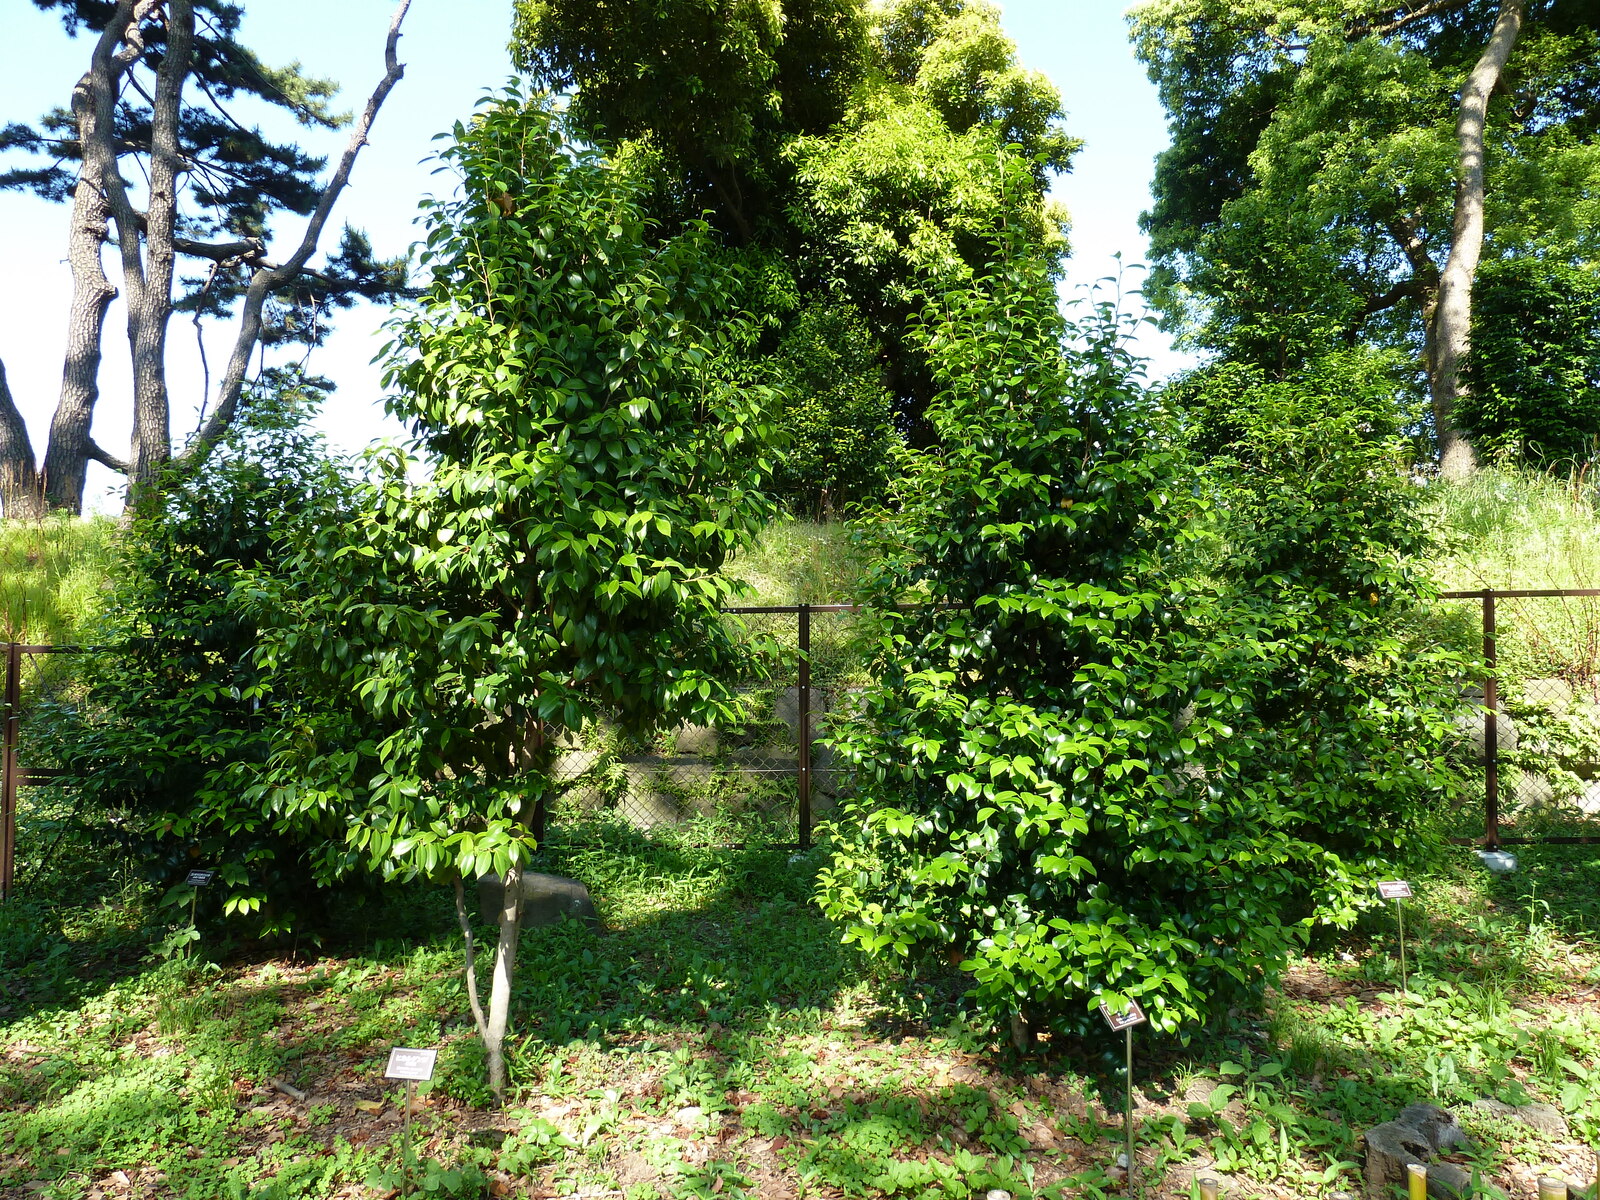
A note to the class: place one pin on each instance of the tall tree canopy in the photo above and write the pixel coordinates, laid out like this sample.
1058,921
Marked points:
156,161
850,150
1338,168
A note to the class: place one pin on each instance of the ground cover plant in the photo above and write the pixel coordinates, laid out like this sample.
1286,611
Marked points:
717,1039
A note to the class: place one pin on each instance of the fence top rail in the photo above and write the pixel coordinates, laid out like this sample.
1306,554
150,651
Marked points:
1519,593
792,608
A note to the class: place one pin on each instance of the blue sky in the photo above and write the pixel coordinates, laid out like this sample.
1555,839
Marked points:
453,52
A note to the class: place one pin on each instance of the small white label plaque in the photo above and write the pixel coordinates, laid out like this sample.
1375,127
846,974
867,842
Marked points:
410,1064
1126,1019
200,878
1395,889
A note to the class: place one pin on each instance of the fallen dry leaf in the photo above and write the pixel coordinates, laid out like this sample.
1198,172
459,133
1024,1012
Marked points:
370,1106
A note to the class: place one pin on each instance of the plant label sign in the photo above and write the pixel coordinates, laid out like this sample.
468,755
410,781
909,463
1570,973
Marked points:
200,878
410,1064
1126,1019
1395,889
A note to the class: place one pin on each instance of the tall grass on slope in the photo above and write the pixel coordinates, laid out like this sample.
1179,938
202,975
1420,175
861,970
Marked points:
1513,529
1519,529
52,577
801,562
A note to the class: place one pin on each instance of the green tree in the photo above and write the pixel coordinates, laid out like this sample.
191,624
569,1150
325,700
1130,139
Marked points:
178,713
848,149
211,185
588,458
835,420
1535,364
1338,170
1119,746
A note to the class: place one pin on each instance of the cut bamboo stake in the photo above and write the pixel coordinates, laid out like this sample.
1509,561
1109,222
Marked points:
1417,1181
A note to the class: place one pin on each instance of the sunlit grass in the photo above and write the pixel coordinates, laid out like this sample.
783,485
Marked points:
53,574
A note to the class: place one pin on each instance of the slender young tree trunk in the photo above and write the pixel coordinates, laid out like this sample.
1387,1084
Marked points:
505,969
1451,327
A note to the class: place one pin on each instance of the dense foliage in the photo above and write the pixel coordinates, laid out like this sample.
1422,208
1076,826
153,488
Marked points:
178,713
1535,365
1119,746
1308,200
836,415
846,149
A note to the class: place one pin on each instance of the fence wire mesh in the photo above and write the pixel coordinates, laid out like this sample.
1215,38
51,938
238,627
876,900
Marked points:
763,776
1534,737
35,810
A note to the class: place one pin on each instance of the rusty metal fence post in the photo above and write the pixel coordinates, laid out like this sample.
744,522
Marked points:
8,770
803,698
1491,729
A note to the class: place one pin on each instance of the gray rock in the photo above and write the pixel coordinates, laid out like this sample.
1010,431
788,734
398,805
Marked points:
1588,800
997,1194
1534,790
695,739
546,899
1472,733
1554,694
1541,1118
1436,1124
1418,1135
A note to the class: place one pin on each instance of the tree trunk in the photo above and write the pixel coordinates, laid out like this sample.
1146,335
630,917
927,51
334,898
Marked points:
505,969
70,447
150,303
19,481
1451,326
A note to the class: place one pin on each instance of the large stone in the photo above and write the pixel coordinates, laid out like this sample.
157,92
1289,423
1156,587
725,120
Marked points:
695,739
1472,732
1534,791
1542,1118
1554,694
546,899
1418,1135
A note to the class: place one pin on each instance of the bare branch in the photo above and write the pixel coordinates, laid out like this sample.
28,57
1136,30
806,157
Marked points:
1432,8
105,458
268,280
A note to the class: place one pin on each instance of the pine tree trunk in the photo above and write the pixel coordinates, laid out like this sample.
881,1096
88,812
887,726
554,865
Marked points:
20,496
1452,318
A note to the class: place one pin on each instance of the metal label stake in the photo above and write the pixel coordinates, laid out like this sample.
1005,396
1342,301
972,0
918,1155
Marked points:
1396,890
1125,1021
410,1065
196,880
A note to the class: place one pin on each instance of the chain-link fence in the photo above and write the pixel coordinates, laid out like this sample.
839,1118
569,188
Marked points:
766,775
1534,736
36,679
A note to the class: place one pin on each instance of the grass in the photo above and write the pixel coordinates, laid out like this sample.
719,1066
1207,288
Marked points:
801,562
717,1040
52,574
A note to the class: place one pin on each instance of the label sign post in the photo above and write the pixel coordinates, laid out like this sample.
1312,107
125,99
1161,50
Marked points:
1125,1020
196,880
1397,890
410,1065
